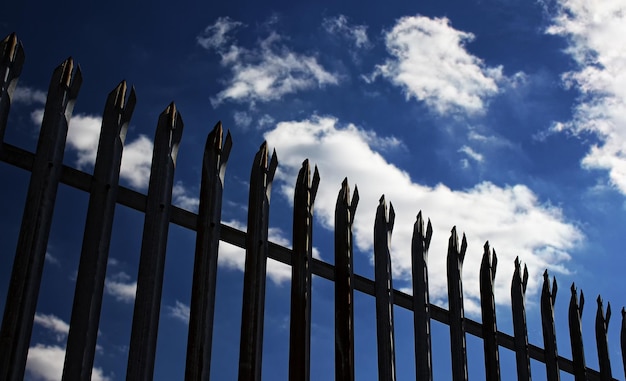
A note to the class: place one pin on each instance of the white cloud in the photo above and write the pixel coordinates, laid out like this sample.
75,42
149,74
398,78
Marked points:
242,119
479,158
52,259
215,36
266,72
45,363
183,199
339,25
510,217
596,32
54,324
179,311
265,121
430,63
28,96
121,287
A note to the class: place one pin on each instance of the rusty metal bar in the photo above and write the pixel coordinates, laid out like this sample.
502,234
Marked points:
11,62
202,308
576,335
520,332
421,304
383,288
344,283
455,304
602,327
81,341
251,344
145,326
21,302
300,318
548,298
488,309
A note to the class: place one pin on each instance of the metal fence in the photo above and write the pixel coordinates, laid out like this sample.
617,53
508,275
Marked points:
48,171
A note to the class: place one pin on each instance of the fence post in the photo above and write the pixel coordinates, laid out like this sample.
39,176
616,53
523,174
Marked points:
548,297
251,344
23,291
383,289
455,301
576,335
202,306
518,291
344,283
11,61
602,327
300,318
488,267
145,326
421,303
83,333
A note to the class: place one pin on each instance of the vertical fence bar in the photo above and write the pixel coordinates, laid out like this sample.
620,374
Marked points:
488,309
602,327
21,302
11,61
300,320
145,326
202,308
518,292
251,344
455,301
548,297
83,334
383,290
623,339
421,303
576,334
344,283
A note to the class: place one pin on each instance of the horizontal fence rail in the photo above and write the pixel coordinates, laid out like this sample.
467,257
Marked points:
47,172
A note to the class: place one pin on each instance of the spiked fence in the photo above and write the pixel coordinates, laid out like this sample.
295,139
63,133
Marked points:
47,172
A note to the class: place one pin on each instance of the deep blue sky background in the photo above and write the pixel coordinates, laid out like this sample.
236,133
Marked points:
502,117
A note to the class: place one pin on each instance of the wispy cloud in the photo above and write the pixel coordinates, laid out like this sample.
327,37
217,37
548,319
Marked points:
54,324
431,64
339,25
121,287
263,73
179,311
28,96
511,217
596,33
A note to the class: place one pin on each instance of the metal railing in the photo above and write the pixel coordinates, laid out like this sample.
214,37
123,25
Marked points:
47,172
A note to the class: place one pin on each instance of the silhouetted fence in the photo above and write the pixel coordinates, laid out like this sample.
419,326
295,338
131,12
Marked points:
47,171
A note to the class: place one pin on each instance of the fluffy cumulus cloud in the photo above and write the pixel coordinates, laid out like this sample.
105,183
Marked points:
596,32
431,64
511,217
339,25
121,287
45,362
266,72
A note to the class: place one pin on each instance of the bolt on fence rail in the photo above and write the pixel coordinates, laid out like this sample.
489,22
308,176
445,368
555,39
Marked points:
47,171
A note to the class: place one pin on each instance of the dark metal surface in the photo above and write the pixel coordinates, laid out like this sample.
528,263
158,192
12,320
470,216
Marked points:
145,326
383,285
421,303
602,327
623,338
488,267
81,341
344,283
458,347
300,317
11,61
576,334
520,332
251,343
202,308
548,297
23,291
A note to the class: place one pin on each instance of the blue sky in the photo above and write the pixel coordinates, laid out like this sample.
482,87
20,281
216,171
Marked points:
502,117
